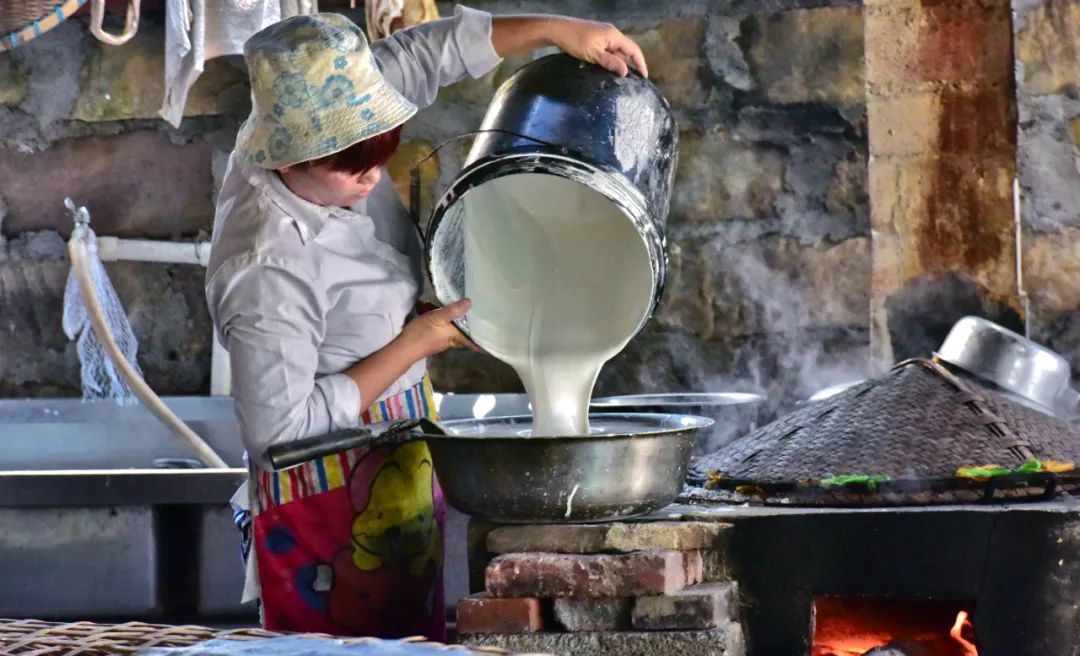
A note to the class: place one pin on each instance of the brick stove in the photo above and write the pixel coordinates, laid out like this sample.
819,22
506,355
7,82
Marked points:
627,588
779,578
866,524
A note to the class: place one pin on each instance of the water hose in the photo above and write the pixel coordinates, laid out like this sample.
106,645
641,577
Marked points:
77,250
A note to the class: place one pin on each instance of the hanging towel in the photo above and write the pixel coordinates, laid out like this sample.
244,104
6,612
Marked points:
298,8
198,30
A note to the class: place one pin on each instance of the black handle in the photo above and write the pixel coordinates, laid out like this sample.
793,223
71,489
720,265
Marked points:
296,452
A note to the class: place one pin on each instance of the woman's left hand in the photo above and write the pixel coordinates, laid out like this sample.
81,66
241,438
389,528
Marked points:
599,43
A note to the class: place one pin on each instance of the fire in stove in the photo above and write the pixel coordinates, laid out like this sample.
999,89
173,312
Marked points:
859,626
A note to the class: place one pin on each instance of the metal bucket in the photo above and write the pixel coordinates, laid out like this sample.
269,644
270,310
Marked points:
562,117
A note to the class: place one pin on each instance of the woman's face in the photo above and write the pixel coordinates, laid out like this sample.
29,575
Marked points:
323,186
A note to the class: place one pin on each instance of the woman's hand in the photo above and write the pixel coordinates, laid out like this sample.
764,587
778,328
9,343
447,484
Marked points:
598,43
428,334
434,331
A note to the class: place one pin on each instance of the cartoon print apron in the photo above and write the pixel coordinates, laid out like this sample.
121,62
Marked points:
351,544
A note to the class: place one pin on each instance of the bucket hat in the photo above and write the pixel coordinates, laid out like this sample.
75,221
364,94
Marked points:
315,91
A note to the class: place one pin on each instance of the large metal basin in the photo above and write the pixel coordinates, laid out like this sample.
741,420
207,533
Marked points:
631,464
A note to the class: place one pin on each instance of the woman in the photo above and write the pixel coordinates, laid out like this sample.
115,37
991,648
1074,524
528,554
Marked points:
312,284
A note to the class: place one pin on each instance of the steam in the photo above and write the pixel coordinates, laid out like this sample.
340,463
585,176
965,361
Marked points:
708,337
803,343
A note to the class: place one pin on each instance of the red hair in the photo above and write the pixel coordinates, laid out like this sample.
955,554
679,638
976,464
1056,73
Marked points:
362,156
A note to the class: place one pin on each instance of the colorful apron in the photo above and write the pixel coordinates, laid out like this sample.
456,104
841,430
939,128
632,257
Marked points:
351,544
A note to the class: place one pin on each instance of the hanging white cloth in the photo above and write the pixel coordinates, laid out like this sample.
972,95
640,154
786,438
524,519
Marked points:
298,7
198,30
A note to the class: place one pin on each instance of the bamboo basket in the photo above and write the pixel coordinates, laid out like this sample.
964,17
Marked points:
39,638
24,20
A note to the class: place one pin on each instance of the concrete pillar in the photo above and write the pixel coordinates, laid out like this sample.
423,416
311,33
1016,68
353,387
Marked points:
942,129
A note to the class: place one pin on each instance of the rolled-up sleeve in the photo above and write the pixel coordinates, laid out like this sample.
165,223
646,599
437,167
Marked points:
418,61
271,320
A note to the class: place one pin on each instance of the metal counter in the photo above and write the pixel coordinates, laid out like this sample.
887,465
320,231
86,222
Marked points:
92,526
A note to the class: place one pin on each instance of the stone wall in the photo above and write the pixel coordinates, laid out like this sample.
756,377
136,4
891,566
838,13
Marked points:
1047,36
942,116
769,228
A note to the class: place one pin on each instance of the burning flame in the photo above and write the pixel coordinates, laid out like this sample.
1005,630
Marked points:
854,626
956,633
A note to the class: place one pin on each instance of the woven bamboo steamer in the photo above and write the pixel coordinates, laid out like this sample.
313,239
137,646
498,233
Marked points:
24,20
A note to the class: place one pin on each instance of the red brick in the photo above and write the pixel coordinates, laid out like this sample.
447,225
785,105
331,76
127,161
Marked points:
594,614
483,614
587,576
695,608
693,567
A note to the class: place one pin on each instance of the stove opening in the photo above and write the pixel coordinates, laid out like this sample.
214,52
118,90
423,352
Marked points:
881,626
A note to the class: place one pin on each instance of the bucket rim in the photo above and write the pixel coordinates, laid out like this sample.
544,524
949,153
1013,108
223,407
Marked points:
622,193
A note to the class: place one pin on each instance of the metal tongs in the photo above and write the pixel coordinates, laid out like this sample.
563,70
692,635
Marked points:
296,452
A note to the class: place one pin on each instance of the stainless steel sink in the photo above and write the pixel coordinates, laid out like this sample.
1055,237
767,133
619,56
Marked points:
75,434
92,526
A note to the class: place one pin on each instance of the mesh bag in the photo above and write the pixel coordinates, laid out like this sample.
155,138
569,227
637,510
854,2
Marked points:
100,379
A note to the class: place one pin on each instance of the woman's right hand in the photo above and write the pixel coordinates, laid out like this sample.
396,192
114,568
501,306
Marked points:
434,332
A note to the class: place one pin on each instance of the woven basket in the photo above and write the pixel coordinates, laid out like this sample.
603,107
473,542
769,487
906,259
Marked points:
22,20
38,638
914,429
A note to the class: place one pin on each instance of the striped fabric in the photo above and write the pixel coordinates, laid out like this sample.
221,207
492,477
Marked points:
410,404
332,471
48,21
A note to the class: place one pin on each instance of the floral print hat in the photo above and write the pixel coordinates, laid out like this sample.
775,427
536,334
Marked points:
315,90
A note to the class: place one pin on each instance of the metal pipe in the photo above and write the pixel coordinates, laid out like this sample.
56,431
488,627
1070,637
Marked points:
112,249
1018,220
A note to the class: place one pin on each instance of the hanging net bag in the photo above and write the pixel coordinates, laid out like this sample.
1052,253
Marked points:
100,378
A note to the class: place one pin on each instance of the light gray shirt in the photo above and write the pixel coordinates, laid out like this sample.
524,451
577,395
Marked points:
300,292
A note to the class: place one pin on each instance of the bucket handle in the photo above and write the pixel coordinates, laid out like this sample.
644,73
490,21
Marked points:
131,23
414,172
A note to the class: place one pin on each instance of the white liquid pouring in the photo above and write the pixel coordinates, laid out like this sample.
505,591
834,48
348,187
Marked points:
559,280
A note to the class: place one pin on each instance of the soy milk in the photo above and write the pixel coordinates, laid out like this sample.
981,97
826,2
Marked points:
559,280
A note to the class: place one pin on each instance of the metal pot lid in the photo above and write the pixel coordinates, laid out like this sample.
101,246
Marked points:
1009,360
688,399
603,427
